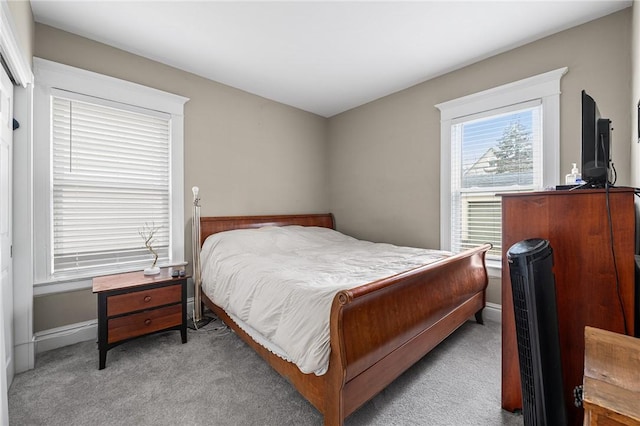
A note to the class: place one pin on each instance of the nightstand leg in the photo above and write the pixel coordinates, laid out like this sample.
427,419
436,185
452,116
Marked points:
183,328
103,359
102,330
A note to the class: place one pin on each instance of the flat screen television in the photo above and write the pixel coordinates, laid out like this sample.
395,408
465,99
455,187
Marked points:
596,140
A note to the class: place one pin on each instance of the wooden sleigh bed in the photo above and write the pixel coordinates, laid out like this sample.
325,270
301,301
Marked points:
377,330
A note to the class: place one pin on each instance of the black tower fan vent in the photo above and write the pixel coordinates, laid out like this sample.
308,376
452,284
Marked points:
536,319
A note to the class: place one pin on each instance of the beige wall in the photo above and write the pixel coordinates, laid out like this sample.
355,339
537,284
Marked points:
24,26
248,155
61,309
384,157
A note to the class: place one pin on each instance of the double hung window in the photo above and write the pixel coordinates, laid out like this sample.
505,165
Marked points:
501,140
108,159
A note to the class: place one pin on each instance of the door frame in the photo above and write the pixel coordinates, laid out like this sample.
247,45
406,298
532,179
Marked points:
6,229
20,69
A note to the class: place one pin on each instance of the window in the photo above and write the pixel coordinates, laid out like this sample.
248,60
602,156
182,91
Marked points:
501,140
110,175
492,152
108,157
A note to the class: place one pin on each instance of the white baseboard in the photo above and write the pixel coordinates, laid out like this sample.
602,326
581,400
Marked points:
75,333
9,370
189,308
66,335
24,354
493,312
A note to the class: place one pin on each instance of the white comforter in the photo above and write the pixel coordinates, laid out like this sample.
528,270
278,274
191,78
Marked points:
280,282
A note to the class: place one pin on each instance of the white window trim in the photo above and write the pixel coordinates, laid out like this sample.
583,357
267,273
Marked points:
544,86
19,64
51,75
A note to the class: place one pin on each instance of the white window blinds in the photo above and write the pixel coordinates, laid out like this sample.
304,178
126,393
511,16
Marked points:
492,152
110,177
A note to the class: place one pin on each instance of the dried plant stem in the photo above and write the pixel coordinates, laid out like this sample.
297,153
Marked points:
147,233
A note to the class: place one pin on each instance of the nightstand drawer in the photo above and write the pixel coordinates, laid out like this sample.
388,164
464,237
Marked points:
143,323
139,300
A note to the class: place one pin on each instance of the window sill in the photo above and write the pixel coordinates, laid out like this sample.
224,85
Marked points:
44,289
53,287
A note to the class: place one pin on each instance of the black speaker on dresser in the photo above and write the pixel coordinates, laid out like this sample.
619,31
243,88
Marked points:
536,319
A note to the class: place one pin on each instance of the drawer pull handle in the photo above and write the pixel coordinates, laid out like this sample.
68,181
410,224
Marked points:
147,299
147,321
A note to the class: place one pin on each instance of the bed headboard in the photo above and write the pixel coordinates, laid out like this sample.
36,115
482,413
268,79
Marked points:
212,225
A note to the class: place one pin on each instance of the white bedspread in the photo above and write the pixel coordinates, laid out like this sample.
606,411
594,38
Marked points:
280,282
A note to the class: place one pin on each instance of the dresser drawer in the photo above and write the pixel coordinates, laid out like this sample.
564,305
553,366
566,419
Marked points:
144,322
144,299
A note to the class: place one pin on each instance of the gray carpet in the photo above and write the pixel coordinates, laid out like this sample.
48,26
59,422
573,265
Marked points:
215,379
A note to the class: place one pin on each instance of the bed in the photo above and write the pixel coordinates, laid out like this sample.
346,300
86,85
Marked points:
377,330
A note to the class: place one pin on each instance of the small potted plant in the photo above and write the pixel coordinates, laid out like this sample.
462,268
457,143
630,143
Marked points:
147,233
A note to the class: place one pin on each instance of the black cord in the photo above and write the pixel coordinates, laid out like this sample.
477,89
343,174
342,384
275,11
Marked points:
615,263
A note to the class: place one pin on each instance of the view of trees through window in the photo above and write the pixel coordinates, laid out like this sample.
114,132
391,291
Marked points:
514,152
497,155
498,151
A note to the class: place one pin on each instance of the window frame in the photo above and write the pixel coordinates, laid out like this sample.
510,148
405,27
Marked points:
50,76
545,87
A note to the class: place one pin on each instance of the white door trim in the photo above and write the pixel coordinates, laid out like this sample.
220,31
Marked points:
6,261
20,68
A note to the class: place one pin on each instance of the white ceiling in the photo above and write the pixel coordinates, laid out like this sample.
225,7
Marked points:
326,56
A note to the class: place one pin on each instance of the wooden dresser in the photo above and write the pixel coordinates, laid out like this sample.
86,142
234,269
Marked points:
133,304
611,378
576,223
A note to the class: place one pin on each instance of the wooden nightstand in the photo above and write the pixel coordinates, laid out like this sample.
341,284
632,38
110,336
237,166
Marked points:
133,304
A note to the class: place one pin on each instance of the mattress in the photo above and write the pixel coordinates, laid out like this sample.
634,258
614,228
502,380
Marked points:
278,283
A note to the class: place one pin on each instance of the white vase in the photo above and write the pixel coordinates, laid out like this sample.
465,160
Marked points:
152,271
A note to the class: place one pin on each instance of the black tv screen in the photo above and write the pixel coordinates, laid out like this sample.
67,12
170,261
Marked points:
595,144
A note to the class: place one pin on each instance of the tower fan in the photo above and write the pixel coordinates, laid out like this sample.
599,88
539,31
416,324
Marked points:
534,303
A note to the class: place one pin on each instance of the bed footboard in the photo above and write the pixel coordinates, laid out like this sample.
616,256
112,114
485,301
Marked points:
379,330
